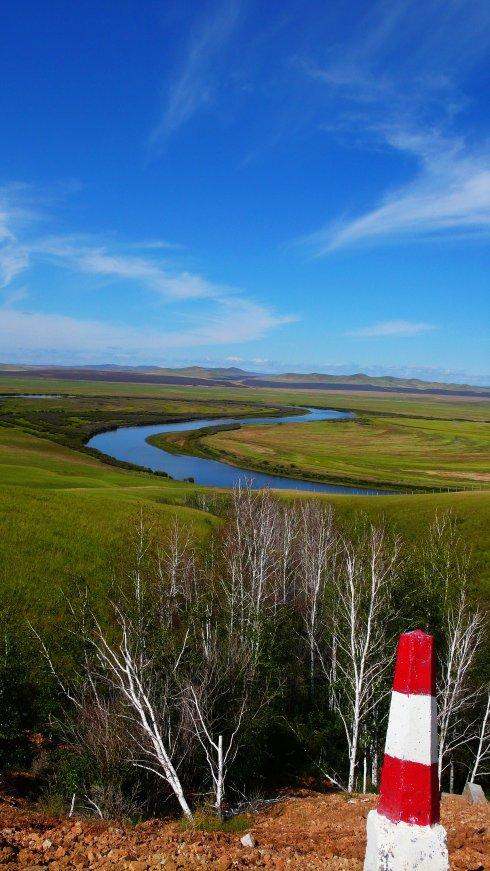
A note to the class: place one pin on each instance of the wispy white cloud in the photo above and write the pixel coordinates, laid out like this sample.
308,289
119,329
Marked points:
14,259
204,312
398,84
85,255
17,213
450,194
24,333
194,85
155,245
393,328
14,296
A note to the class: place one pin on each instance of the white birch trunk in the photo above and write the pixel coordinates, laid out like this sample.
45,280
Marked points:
374,768
220,779
483,747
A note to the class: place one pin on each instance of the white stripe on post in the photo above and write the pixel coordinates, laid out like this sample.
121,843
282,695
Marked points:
409,734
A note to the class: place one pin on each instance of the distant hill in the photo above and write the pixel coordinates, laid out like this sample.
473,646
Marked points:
373,380
232,375
232,372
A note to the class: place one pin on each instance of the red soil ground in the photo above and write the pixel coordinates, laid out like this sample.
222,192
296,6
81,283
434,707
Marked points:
305,831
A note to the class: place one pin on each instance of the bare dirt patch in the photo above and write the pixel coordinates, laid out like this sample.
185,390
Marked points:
472,476
305,831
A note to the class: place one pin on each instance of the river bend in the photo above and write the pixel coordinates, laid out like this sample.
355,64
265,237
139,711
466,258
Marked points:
129,443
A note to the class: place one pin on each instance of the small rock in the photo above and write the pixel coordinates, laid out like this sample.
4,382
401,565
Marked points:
47,844
156,859
474,793
248,840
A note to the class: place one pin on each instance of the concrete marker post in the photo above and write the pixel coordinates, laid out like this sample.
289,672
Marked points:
404,833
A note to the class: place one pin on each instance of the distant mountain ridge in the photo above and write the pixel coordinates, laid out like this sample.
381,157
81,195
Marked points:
385,380
233,375
198,371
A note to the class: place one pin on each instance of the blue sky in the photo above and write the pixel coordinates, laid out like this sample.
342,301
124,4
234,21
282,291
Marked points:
281,186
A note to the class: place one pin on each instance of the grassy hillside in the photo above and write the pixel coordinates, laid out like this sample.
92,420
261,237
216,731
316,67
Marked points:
411,515
409,452
65,517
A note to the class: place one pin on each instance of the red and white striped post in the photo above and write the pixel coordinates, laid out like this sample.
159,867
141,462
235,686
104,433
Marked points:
404,833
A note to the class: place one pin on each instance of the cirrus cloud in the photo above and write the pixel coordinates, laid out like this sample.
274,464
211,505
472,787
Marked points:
45,336
398,83
393,328
203,312
194,84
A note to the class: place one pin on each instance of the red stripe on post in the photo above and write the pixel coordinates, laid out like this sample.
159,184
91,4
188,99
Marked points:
415,672
409,792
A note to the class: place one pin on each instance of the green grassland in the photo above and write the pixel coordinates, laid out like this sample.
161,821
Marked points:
71,420
65,517
435,406
393,451
65,514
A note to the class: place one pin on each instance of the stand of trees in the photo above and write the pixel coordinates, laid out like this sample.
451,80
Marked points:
264,656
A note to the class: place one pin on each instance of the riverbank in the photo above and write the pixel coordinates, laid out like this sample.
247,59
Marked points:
199,443
71,420
396,453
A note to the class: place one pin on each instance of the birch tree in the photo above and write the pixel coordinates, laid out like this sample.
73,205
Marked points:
317,544
124,671
287,555
463,634
220,750
221,691
482,753
250,562
365,650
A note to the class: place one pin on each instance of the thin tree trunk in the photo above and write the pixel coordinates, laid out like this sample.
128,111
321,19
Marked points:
312,668
480,750
181,799
353,751
374,768
220,779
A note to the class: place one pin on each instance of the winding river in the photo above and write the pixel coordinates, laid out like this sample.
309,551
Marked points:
129,443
